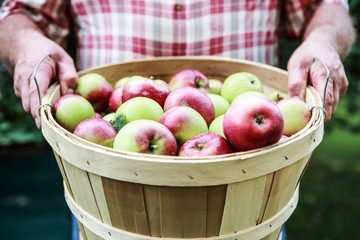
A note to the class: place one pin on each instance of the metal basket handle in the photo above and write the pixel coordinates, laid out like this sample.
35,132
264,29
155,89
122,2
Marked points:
325,87
48,57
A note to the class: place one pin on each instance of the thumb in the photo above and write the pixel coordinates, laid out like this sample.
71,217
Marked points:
67,75
298,80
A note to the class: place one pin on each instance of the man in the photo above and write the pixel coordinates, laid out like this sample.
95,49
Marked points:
112,31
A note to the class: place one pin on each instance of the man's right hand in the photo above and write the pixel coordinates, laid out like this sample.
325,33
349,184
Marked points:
27,47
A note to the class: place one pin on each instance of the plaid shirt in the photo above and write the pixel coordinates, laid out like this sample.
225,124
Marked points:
110,31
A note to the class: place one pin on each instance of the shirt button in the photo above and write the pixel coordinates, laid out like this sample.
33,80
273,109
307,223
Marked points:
178,7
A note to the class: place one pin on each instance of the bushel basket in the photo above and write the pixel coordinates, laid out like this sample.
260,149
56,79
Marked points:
124,195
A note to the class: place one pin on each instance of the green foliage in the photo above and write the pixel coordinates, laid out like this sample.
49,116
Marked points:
119,122
16,126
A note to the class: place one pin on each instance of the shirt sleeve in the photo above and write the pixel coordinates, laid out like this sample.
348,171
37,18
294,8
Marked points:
295,14
52,16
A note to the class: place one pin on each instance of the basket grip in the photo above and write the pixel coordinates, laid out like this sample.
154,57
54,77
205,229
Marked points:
326,83
49,57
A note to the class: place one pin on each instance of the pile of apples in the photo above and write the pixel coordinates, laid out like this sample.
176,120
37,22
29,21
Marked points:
190,115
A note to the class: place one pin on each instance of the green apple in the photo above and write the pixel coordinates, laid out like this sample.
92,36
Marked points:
220,103
249,93
238,83
296,114
123,80
140,108
276,96
215,86
146,136
217,125
109,117
71,109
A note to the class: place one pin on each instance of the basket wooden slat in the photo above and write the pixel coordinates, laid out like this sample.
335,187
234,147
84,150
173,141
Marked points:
122,195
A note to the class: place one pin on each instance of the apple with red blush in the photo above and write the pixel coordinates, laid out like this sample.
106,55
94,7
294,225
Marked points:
115,99
184,122
193,98
158,90
146,136
189,78
205,144
253,122
71,109
296,114
96,89
96,130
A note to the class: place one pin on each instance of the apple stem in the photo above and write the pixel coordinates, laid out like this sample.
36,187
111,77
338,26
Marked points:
200,146
153,147
199,83
259,120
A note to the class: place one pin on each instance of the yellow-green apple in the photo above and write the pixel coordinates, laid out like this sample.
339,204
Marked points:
217,125
220,103
123,80
157,90
194,98
238,83
71,109
249,93
146,136
215,86
296,114
184,122
96,130
140,108
253,122
189,78
276,96
109,117
115,99
205,144
96,89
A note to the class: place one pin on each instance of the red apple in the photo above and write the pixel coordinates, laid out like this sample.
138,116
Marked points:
205,144
253,122
146,136
189,78
115,99
194,98
96,89
98,115
184,122
71,109
157,90
96,130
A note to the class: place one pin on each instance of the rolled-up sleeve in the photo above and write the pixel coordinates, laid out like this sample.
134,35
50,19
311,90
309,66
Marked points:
297,13
52,16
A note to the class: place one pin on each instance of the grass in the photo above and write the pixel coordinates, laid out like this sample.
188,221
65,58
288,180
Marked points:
329,194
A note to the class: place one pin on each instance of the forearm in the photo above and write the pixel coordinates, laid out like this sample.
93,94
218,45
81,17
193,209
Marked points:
332,25
13,28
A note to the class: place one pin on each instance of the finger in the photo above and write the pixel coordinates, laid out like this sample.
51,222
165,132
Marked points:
67,76
44,74
298,78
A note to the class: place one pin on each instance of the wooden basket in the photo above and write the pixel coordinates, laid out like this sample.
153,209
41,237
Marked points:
123,195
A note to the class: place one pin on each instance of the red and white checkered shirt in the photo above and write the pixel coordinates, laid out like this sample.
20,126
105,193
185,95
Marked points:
110,31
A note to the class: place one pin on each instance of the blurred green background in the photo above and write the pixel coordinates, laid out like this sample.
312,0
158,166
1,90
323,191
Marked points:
32,205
